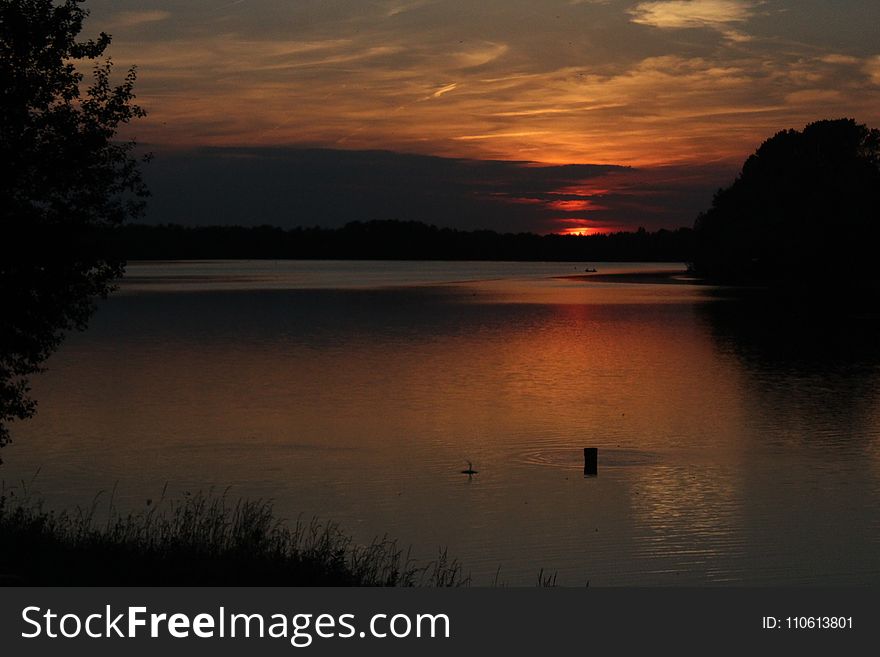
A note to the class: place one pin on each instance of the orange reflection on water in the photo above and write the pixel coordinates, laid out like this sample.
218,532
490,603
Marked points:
363,405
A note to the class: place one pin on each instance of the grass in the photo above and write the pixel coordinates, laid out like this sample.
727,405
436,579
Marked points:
199,539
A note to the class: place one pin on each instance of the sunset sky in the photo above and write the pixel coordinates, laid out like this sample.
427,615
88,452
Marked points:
465,99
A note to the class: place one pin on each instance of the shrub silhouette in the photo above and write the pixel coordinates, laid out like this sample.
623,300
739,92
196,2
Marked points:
805,205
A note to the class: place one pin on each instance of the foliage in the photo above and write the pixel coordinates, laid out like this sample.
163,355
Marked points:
805,205
199,539
395,240
65,179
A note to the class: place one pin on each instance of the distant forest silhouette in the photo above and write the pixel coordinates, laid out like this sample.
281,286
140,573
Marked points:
392,240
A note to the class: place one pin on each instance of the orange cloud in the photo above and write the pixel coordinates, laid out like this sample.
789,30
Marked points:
716,14
580,205
497,82
135,18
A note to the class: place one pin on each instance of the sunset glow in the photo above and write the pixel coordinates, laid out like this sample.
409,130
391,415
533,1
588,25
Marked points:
580,226
658,84
586,230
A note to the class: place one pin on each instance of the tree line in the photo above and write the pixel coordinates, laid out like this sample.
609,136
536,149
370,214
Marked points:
391,240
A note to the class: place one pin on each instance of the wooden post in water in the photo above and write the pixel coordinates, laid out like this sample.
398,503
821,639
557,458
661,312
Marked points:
591,461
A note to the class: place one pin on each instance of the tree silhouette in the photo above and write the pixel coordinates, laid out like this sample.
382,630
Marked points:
804,206
65,180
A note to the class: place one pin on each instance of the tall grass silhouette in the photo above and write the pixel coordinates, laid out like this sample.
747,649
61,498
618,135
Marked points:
197,539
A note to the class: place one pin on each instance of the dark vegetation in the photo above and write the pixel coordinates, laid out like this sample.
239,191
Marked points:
198,540
64,180
393,240
804,209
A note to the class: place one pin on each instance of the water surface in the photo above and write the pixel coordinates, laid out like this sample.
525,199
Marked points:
738,440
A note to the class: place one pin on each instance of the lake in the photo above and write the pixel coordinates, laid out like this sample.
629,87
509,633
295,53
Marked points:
738,436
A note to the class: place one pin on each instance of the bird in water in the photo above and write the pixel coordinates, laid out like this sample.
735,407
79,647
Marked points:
470,470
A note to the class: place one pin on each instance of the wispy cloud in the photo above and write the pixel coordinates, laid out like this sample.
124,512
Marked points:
443,90
872,68
836,58
397,7
567,83
636,82
716,14
135,18
478,54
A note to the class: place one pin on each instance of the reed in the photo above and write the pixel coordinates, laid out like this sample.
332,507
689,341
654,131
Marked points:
197,539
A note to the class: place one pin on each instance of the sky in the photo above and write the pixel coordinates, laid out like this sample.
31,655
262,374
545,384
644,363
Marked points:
542,115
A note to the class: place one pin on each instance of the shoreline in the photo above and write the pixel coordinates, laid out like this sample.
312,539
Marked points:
659,277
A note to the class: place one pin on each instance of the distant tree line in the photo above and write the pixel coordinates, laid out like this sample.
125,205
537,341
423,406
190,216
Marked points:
392,240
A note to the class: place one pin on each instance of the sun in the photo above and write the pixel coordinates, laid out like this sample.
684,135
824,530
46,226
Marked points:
579,230
581,226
